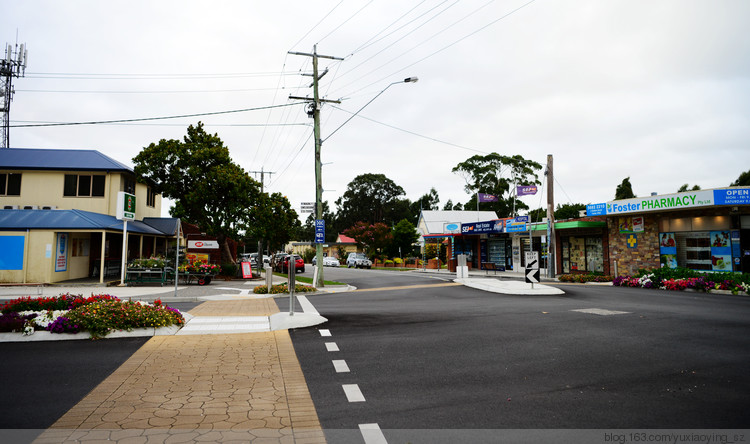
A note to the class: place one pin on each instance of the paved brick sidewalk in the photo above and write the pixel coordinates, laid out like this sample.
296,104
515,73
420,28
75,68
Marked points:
245,387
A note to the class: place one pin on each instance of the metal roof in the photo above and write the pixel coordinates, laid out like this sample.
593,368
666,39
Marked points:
435,219
69,220
58,159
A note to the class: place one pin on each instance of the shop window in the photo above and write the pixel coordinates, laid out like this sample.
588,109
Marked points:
698,250
582,254
83,185
10,184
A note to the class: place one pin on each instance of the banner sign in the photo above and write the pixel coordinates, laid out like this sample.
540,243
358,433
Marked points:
493,226
599,209
692,199
61,254
487,197
734,196
525,190
516,225
320,231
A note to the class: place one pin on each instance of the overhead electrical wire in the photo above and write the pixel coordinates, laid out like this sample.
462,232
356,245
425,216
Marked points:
346,21
145,119
317,24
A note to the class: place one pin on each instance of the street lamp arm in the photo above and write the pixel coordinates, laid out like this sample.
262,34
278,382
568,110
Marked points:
406,80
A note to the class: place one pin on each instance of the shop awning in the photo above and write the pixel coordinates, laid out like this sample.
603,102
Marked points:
61,220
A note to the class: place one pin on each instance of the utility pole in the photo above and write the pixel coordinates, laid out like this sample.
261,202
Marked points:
551,261
260,241
13,65
262,175
318,142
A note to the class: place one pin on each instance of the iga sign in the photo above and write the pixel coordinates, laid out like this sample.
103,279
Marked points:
665,202
203,244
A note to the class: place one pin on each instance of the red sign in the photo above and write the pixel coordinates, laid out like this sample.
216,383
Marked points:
198,244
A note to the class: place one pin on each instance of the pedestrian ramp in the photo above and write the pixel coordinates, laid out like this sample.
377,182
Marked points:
206,325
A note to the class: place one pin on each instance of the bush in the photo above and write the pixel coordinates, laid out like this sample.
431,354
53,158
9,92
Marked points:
63,325
283,288
11,322
583,278
99,318
398,261
229,269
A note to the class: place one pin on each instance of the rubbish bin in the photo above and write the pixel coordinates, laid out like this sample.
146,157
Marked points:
452,265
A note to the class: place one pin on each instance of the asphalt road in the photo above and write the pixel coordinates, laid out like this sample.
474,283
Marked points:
448,357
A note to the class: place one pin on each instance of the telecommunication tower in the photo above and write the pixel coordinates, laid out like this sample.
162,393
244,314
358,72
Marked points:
13,65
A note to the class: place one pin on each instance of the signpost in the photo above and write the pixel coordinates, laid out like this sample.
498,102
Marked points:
306,207
532,267
125,212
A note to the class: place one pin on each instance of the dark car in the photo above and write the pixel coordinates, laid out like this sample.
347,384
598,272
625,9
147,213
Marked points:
299,264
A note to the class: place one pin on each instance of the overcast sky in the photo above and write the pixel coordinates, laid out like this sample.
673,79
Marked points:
655,90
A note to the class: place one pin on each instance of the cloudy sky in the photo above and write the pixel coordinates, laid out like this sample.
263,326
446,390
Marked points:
658,91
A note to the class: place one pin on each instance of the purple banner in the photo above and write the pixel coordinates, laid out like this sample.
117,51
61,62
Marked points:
487,197
525,190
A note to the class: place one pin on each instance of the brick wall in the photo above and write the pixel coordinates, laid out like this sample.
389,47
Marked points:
645,254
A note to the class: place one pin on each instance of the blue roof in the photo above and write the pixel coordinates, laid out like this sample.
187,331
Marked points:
70,220
58,159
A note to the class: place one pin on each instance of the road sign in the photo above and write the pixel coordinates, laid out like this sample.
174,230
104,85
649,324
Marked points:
307,207
532,267
320,231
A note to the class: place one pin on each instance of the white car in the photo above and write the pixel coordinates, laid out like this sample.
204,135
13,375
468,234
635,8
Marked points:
331,262
358,260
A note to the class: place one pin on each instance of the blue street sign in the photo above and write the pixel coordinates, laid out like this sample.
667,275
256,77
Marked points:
320,231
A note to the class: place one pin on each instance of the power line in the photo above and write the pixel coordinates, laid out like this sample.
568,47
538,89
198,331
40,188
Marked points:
415,134
144,119
124,76
144,92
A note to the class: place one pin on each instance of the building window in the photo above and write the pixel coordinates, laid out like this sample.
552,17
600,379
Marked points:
582,254
10,184
83,185
128,185
150,197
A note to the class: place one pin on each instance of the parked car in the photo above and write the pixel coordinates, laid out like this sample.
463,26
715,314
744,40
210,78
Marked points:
358,260
299,264
277,262
327,261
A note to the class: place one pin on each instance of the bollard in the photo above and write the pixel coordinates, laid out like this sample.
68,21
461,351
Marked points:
269,278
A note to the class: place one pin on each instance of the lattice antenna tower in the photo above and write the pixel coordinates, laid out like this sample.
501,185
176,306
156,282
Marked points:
13,65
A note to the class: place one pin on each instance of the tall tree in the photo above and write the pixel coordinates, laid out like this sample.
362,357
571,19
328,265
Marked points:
743,180
273,219
686,187
404,236
497,175
370,198
427,202
375,237
568,211
209,189
624,190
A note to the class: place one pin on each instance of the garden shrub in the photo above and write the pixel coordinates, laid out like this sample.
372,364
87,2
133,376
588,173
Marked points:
283,288
583,278
63,302
229,269
99,318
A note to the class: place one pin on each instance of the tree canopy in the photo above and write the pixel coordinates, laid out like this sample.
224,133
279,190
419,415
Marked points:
375,237
404,235
742,181
209,189
273,219
686,187
371,198
497,175
624,190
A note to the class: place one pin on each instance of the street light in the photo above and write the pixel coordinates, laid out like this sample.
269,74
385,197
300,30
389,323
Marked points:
406,80
319,183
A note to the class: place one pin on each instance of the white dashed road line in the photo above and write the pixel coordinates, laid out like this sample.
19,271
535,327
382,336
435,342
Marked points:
372,434
324,332
600,311
332,347
340,366
353,393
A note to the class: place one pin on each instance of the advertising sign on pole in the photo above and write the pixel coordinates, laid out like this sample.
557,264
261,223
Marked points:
125,206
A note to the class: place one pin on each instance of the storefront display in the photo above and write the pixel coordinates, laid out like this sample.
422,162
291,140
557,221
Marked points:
582,254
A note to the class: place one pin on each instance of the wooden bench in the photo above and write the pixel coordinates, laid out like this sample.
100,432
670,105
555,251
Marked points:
492,266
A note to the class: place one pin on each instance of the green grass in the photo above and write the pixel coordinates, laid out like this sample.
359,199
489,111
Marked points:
308,280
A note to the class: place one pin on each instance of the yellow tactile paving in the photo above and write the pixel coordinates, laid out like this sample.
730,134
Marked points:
205,388
240,307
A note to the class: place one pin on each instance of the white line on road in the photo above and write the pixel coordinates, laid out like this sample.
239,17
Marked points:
600,311
332,347
307,306
324,332
340,366
372,434
353,393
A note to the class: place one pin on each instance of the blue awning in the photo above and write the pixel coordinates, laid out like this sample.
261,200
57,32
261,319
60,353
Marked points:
61,220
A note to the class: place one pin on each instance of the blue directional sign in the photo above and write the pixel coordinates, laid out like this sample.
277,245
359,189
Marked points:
320,231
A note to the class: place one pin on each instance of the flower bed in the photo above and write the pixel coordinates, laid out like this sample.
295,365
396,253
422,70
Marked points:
684,279
283,288
583,278
98,315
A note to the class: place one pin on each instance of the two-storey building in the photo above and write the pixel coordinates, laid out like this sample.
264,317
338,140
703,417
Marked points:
58,216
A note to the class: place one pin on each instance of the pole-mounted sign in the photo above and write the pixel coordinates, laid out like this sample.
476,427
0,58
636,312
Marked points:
125,206
532,268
